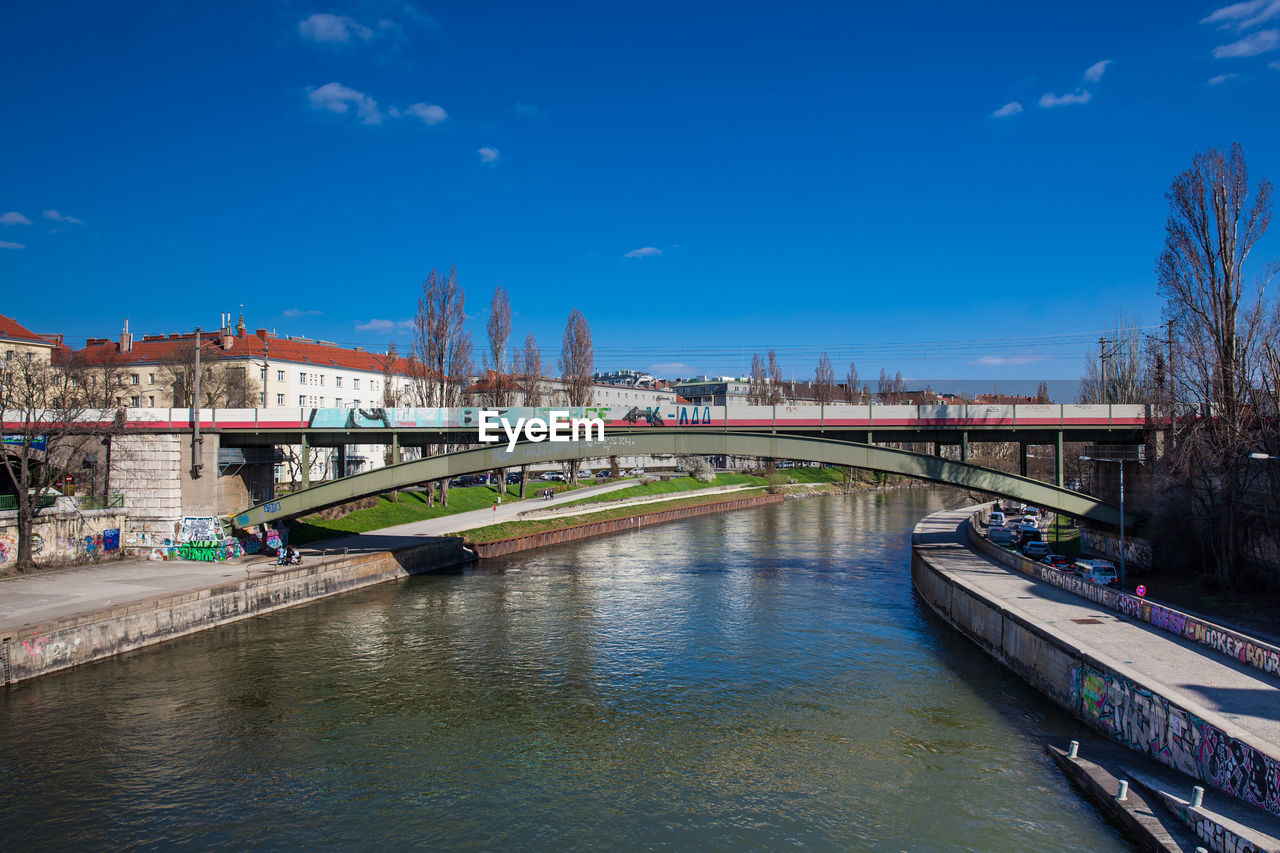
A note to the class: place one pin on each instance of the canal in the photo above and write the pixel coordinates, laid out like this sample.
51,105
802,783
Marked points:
760,679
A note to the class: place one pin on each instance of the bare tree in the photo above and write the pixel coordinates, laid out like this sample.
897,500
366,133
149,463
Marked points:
531,372
1219,326
1119,371
388,363
824,381
851,389
1042,393
775,380
104,376
495,359
758,389
441,350
48,431
221,384
577,362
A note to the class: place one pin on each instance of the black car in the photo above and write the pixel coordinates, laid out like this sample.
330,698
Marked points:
1057,561
513,477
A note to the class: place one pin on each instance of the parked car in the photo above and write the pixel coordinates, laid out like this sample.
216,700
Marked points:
1096,571
1035,550
513,477
553,475
1000,535
996,519
584,473
636,472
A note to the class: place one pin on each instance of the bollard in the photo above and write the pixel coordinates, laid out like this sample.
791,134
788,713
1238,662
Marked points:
1123,793
1073,749
1197,797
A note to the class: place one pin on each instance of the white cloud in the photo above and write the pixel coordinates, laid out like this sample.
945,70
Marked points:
1095,71
58,217
1048,99
646,252
998,360
333,28
301,312
528,110
1221,78
488,155
1243,16
5,244
1275,65
337,98
1010,109
13,217
376,325
1263,41
429,113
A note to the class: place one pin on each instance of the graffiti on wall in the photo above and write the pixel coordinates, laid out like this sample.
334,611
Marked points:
1239,647
1149,723
1137,551
199,528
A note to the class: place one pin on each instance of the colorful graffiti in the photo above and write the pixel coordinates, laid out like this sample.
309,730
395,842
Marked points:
1149,723
8,548
210,550
1239,647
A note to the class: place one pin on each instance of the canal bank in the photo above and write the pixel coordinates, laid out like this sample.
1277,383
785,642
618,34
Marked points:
1214,719
55,620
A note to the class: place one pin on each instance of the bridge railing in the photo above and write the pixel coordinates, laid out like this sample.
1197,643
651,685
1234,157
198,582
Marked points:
836,415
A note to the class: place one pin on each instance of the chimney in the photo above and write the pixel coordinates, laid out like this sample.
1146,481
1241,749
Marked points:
240,327
126,338
227,339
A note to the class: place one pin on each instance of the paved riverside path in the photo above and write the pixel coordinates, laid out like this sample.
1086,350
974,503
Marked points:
1236,692
44,597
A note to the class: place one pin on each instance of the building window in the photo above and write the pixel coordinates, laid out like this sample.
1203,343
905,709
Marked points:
279,399
302,379
151,401
133,380
355,383
262,374
262,398
279,375
337,402
133,401
151,379
320,378
337,381
302,399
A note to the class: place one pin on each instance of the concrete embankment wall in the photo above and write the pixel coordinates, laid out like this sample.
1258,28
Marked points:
543,538
1226,642
38,650
1105,694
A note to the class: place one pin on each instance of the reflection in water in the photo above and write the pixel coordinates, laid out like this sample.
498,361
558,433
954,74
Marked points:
755,679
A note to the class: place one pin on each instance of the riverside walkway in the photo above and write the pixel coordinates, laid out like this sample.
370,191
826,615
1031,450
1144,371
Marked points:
1184,704
52,596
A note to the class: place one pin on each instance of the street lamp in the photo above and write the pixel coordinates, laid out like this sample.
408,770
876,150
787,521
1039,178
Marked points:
1121,463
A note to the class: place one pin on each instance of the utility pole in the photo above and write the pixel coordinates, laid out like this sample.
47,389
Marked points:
1104,392
197,443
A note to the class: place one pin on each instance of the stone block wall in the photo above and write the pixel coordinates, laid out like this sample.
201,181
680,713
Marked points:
147,469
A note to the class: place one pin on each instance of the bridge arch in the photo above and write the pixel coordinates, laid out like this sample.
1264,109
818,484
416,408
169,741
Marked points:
658,442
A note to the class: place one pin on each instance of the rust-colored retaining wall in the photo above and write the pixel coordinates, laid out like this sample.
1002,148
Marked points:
31,651
543,538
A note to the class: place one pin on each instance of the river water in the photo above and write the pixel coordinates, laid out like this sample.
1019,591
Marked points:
761,679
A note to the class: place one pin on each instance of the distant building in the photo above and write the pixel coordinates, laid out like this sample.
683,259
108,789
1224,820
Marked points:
17,340
714,390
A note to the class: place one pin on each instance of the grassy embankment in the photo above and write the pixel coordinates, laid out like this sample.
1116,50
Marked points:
508,529
411,506
676,485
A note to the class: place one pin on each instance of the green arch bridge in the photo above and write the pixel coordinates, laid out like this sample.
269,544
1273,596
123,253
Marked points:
657,442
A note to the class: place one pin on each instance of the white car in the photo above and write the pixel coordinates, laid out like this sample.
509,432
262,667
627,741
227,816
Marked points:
996,519
1096,571
583,473
636,472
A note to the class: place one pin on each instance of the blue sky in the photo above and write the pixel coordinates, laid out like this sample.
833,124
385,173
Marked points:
701,180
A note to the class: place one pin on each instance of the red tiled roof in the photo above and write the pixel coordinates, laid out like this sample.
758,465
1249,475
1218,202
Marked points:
12,329
491,379
159,349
